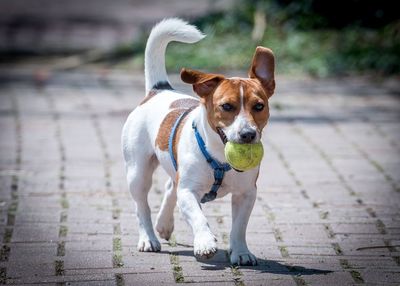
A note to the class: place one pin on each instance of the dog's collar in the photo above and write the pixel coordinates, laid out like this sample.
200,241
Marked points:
219,168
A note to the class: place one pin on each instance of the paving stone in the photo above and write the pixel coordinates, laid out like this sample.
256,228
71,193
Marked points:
270,280
94,283
44,216
27,271
141,263
381,277
146,279
334,278
39,232
373,262
88,259
93,245
88,228
100,278
354,228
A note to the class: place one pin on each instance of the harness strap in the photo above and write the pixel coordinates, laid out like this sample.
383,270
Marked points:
172,136
219,168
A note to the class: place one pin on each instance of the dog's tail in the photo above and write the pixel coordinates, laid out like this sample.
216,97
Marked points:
172,29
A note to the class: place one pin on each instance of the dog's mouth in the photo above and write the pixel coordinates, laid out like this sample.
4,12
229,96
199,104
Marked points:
222,135
224,140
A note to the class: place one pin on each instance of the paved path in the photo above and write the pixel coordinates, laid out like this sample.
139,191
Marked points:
327,211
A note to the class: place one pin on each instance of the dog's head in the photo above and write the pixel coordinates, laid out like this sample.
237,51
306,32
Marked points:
237,108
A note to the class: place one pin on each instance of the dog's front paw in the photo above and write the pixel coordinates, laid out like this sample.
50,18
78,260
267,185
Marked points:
243,258
165,227
148,245
205,245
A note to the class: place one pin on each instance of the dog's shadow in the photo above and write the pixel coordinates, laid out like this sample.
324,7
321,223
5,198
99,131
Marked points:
220,261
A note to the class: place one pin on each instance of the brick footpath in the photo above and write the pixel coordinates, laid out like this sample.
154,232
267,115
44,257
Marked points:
327,211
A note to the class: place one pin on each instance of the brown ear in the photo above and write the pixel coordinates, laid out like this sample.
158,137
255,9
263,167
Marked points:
203,83
263,68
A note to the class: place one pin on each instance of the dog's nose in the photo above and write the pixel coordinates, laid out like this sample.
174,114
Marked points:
247,135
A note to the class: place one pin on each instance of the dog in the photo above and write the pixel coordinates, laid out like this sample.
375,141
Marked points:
186,136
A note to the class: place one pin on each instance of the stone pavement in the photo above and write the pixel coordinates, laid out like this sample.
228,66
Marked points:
327,211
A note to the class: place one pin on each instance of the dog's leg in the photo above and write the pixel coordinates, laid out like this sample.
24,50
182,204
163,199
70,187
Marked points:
165,217
139,179
205,243
242,206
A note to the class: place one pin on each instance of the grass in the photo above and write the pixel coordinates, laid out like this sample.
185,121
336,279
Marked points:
119,279
3,275
337,249
117,260
284,251
64,203
117,245
172,241
59,268
176,268
277,235
116,213
117,229
4,252
7,235
61,248
356,277
63,231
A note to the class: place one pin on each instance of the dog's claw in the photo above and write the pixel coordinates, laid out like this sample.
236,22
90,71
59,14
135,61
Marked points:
206,254
205,245
147,245
243,259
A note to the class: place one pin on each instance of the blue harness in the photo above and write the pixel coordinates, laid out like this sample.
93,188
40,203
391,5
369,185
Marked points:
219,168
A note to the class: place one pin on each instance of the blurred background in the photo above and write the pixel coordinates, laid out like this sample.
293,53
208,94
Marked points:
313,37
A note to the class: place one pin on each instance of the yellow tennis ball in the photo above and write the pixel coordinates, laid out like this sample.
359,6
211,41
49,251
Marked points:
244,157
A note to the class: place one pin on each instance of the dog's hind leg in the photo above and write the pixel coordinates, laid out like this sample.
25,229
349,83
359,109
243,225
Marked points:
139,177
165,217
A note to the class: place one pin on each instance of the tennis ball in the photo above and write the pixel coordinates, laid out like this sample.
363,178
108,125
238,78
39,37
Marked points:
244,157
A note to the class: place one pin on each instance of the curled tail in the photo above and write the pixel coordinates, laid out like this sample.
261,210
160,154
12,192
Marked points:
168,30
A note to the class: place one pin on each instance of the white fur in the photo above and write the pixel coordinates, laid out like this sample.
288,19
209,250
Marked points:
195,175
166,31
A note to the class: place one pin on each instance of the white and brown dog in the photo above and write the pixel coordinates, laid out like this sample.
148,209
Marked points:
184,135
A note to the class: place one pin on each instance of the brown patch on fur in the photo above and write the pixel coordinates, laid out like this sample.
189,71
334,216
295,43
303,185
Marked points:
184,103
149,96
227,92
253,93
166,128
263,69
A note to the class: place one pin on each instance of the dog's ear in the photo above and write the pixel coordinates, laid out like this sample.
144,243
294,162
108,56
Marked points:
263,68
203,83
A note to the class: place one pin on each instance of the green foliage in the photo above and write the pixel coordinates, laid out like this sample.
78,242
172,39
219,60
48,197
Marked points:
319,53
303,41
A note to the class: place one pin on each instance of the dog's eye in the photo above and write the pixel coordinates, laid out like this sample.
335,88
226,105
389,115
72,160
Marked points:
227,107
258,107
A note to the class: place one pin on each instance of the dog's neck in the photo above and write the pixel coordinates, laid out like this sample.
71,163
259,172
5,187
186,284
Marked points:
212,140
